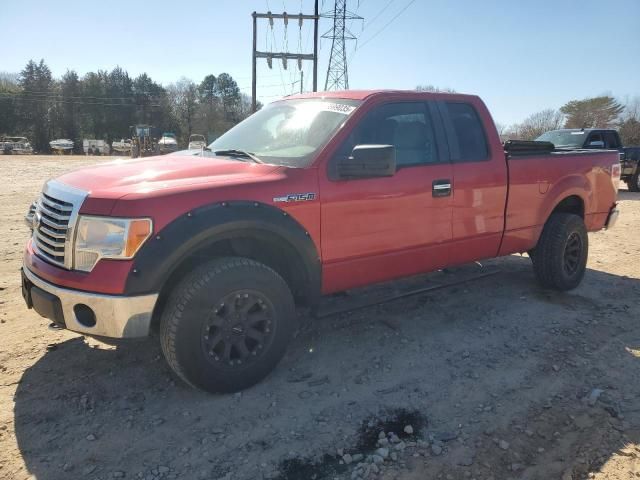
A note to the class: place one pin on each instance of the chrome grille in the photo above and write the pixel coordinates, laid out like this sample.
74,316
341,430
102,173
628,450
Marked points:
52,223
54,219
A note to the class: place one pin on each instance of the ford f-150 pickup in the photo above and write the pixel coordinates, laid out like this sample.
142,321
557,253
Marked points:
312,195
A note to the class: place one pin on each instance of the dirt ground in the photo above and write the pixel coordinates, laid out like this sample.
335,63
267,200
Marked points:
492,379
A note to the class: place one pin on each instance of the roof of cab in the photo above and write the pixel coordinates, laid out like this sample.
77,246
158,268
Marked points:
364,94
585,130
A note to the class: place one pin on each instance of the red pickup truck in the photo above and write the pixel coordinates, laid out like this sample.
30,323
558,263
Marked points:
312,195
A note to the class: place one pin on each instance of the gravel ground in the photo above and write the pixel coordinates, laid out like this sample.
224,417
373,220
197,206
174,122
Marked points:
492,379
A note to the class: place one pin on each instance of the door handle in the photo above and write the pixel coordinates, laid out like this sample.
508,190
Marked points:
441,188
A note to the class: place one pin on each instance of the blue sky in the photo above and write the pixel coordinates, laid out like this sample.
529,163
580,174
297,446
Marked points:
519,56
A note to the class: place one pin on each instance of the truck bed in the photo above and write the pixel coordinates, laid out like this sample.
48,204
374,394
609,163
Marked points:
539,182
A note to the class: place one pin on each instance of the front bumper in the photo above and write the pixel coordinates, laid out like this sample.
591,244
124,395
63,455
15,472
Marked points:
94,314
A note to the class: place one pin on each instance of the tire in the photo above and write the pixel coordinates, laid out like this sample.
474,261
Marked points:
560,258
634,182
227,324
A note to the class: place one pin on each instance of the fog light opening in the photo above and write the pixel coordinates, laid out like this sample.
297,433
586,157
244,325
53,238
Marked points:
84,315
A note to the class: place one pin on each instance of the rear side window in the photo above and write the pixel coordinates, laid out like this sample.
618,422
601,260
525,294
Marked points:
611,140
595,137
467,132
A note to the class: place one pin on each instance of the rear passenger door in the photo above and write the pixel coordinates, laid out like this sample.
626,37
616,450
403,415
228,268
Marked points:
479,181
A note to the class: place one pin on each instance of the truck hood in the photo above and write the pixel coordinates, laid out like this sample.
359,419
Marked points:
118,178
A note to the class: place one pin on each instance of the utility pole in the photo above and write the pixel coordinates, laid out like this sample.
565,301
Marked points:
283,56
337,72
316,13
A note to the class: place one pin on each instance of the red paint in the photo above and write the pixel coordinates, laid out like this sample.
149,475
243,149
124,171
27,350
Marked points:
366,230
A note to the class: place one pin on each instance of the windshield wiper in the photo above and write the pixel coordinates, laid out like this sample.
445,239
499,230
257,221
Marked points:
238,153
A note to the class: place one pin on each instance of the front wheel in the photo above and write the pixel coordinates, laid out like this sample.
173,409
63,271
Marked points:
560,258
227,324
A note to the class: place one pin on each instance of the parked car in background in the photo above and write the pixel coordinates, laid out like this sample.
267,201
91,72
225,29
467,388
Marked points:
168,143
62,146
15,146
122,146
631,168
95,147
598,138
196,142
583,138
312,195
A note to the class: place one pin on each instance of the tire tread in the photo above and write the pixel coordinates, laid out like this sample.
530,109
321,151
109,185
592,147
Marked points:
177,304
547,255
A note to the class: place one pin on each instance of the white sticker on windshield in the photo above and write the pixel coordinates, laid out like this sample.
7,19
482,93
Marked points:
337,107
577,133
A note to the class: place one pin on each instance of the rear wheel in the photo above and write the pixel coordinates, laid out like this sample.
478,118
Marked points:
634,182
560,258
227,324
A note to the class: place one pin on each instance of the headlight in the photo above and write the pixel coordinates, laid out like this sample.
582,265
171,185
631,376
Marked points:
106,237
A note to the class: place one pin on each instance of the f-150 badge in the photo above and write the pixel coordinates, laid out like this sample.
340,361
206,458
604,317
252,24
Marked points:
295,197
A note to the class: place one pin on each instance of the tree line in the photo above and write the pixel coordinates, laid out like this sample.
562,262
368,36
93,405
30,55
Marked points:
104,104
596,112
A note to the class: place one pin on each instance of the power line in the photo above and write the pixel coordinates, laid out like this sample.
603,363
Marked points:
133,97
377,15
59,101
387,24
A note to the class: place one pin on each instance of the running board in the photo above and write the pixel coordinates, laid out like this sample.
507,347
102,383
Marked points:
386,292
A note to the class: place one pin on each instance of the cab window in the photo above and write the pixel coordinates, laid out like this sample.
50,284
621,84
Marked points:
467,132
406,126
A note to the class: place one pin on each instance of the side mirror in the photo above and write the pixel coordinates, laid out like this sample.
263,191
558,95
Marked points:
596,144
367,161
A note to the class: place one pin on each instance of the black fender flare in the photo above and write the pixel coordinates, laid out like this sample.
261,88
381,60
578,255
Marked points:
164,252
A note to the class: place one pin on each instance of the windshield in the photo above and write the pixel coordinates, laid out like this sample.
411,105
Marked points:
288,132
564,138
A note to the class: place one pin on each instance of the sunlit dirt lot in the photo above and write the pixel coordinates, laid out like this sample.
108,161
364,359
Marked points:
497,378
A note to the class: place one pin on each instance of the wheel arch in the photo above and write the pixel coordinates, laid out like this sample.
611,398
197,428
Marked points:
246,229
570,204
572,194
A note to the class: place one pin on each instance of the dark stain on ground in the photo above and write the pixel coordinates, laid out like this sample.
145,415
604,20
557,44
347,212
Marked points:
393,420
390,420
298,469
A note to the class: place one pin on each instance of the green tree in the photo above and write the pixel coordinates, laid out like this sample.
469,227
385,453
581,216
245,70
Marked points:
94,86
36,103
229,93
209,116
9,91
148,95
208,90
596,112
69,116
121,110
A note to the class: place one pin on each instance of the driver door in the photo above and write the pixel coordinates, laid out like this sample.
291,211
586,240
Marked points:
377,229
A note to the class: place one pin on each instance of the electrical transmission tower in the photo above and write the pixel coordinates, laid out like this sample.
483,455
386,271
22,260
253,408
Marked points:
337,72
